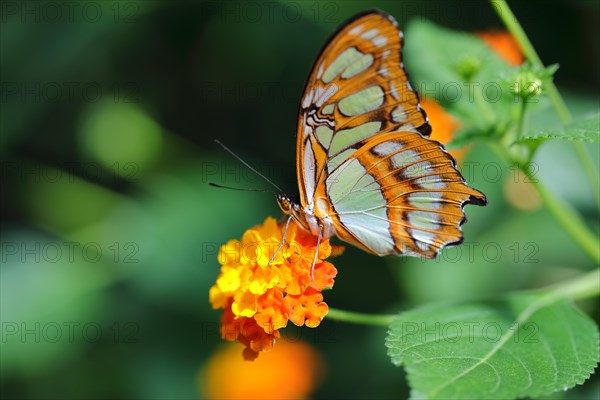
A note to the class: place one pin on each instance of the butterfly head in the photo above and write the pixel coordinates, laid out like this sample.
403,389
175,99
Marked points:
291,206
287,204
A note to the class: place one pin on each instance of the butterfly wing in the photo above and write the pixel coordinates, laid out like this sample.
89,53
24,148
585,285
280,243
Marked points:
363,157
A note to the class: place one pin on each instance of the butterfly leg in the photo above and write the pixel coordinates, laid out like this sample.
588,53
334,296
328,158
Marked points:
282,240
312,267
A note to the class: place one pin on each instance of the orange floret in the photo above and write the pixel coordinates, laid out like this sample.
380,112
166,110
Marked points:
259,298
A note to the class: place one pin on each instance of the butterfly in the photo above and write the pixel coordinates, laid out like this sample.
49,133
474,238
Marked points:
367,170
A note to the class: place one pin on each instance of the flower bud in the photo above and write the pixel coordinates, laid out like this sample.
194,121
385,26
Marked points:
468,67
527,84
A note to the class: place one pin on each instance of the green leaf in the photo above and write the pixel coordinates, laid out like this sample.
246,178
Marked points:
586,129
527,345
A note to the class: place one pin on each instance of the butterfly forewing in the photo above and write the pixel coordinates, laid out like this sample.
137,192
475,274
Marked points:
363,157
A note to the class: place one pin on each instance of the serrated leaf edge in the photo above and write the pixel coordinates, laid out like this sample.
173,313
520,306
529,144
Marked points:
537,304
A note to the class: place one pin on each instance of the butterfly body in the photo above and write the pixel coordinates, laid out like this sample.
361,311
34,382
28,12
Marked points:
367,170
307,218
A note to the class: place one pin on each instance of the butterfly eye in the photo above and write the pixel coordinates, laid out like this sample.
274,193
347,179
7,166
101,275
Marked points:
284,203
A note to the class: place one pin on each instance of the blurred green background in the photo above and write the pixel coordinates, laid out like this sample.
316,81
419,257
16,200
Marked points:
110,232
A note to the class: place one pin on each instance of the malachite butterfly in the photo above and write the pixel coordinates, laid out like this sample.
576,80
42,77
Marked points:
367,170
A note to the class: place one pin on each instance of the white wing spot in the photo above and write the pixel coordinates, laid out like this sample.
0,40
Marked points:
399,114
307,130
432,182
426,200
422,246
408,127
404,158
394,91
383,71
424,220
309,171
318,92
387,148
418,169
379,41
370,34
422,236
356,30
320,71
307,100
325,95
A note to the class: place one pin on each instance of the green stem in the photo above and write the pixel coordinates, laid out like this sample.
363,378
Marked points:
518,153
582,287
359,318
521,126
512,24
562,212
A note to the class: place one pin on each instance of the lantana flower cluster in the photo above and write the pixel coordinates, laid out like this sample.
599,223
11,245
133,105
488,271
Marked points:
258,298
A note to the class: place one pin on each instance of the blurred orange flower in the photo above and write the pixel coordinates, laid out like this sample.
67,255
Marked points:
520,192
291,372
443,125
259,298
503,44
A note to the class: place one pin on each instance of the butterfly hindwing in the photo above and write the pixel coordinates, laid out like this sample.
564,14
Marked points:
363,156
420,196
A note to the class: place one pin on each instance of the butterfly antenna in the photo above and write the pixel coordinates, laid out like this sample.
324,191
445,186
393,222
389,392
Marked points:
227,149
241,189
